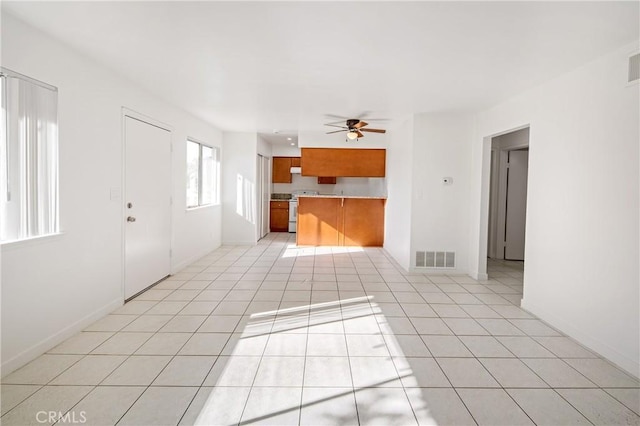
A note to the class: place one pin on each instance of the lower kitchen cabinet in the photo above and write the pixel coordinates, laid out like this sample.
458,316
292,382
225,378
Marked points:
363,222
318,221
279,217
340,221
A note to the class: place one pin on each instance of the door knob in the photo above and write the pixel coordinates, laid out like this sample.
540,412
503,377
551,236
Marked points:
131,219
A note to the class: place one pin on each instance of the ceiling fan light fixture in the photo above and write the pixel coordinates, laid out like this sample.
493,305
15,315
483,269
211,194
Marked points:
352,135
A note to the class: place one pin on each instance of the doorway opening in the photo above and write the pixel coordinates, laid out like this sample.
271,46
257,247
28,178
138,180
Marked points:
508,203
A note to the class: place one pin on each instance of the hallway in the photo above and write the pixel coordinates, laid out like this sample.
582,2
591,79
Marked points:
276,334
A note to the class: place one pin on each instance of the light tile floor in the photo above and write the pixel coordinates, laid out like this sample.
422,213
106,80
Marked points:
275,334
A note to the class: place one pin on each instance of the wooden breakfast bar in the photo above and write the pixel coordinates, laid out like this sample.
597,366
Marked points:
338,220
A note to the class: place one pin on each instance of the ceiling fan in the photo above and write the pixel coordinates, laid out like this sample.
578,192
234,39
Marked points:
354,128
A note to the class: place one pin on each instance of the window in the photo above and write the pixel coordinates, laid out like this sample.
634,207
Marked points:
203,171
28,158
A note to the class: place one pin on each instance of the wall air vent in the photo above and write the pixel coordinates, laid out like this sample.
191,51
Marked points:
435,259
634,68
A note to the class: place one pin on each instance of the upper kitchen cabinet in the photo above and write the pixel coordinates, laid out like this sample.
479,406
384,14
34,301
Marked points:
282,168
343,162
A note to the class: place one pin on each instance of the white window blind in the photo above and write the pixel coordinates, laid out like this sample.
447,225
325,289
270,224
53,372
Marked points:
28,158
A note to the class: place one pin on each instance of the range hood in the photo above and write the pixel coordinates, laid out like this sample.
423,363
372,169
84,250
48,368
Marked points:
296,170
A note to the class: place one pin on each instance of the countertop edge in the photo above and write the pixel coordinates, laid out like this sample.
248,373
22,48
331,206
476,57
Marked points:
344,196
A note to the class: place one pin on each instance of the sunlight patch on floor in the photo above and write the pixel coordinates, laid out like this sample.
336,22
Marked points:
293,250
335,362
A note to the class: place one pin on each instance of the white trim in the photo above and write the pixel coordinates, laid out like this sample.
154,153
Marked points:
196,140
631,366
12,74
30,242
239,243
50,342
206,206
438,271
127,112
479,277
179,266
629,55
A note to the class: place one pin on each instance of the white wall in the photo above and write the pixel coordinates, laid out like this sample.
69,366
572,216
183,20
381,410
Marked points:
582,248
442,148
398,212
54,287
310,139
264,148
347,186
285,151
239,188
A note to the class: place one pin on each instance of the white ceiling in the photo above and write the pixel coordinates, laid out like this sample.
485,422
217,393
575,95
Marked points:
285,66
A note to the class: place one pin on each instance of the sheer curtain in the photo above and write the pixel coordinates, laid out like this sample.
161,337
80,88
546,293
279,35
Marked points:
29,158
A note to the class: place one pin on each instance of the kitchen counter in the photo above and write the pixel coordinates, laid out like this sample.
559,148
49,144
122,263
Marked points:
340,220
280,196
367,197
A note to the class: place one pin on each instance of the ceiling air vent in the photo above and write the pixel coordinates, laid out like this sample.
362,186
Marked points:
634,68
435,259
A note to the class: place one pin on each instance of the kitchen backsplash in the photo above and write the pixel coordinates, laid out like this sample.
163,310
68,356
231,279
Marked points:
347,186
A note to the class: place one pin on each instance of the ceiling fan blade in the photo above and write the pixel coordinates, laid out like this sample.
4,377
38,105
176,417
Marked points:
360,135
374,130
335,131
360,124
341,118
335,125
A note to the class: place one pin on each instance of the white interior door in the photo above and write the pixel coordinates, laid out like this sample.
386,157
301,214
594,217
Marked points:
147,210
266,194
259,205
516,205
262,191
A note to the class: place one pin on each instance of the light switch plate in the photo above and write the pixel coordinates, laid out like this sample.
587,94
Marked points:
447,180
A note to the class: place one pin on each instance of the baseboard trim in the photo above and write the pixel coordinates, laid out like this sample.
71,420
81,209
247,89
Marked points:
479,276
443,271
438,271
629,365
179,266
40,348
239,243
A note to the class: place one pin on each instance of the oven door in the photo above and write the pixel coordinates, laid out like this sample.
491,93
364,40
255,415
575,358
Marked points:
293,215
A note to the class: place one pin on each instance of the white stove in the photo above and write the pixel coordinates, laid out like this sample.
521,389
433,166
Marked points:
293,207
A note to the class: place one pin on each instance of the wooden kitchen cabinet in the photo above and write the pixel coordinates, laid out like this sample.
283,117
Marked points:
330,180
279,217
340,221
363,223
343,162
281,171
318,221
